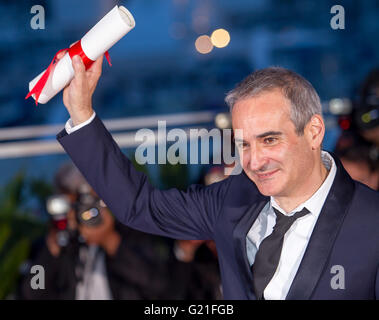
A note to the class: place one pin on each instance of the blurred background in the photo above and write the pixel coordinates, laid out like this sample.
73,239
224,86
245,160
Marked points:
176,65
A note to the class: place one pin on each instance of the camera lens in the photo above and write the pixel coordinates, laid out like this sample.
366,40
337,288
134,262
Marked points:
90,217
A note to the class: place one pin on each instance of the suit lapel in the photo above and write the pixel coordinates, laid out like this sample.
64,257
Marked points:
323,236
239,238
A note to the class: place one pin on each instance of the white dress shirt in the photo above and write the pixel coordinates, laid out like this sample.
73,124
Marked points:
94,284
70,128
296,238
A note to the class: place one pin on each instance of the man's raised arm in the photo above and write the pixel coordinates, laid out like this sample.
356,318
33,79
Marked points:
127,192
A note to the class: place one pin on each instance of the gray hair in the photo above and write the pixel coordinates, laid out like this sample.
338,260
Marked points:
304,99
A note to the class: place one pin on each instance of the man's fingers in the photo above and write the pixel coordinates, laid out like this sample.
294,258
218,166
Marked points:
92,75
79,67
94,72
61,54
96,67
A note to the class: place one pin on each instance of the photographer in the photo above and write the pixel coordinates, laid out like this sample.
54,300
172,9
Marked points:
358,147
86,255
367,114
194,268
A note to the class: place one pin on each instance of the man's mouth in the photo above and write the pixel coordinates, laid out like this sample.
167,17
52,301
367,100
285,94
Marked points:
265,176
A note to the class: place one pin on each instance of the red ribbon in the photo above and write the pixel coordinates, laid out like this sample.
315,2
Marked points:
76,49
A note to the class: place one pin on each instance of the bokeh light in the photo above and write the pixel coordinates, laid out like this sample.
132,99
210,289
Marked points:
223,121
339,106
220,38
204,44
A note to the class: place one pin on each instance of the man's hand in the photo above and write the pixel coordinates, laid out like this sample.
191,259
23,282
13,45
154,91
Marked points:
104,235
52,244
77,96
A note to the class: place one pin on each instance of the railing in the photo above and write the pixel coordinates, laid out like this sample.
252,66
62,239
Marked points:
45,142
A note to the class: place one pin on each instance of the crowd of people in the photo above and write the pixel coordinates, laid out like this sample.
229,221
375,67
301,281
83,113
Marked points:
358,146
87,254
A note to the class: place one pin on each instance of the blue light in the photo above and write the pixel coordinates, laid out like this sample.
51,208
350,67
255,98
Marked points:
374,114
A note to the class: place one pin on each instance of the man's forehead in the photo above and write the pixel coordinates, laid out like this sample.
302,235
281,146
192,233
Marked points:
272,99
264,106
262,124
247,116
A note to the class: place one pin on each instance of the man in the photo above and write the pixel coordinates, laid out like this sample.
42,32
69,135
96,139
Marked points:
331,251
99,260
194,269
366,115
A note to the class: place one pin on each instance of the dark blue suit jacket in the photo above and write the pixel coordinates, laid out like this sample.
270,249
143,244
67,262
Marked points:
346,233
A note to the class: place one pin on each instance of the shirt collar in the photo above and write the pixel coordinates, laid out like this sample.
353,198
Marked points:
315,203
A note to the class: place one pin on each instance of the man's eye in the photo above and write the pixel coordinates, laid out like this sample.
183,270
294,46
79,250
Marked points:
242,145
269,140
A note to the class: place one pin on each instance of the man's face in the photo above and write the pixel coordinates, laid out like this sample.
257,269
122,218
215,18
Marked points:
273,156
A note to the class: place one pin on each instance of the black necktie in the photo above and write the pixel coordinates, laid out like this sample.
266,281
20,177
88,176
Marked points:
268,255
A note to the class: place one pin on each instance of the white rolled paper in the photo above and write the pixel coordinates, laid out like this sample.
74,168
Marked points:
110,29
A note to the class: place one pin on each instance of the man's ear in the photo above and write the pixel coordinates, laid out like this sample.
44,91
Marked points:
314,131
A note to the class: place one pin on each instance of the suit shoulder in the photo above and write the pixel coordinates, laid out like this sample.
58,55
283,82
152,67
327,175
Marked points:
241,190
367,198
367,193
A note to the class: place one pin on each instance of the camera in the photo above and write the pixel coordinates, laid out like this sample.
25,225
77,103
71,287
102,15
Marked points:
367,115
86,208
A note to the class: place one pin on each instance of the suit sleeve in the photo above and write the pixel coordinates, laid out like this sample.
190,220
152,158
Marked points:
181,215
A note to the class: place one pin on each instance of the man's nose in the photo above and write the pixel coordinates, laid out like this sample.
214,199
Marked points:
256,159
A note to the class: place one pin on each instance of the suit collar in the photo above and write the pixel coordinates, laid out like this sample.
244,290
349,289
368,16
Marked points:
251,209
324,235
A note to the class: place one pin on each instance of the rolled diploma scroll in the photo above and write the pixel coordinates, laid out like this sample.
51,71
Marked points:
110,29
